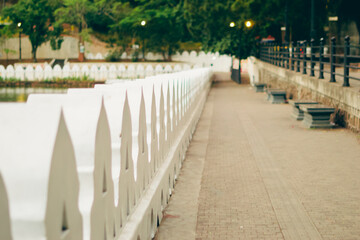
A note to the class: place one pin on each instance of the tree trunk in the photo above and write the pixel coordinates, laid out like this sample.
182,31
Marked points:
357,22
34,49
169,54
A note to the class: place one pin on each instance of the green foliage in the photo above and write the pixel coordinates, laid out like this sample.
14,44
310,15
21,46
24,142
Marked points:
165,26
36,18
175,25
114,56
74,12
6,32
52,80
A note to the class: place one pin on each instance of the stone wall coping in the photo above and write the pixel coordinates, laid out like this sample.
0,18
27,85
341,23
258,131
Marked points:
316,108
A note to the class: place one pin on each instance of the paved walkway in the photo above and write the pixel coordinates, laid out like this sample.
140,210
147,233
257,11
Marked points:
253,172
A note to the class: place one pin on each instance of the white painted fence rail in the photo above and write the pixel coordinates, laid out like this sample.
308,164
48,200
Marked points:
96,163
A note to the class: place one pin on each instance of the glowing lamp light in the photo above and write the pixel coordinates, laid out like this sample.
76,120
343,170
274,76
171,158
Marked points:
248,24
143,23
232,24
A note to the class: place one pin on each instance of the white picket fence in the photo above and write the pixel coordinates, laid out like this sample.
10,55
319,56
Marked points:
178,56
220,63
97,72
96,163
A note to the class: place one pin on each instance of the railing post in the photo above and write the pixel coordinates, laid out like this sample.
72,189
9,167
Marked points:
269,53
282,52
321,63
273,53
277,55
262,49
346,62
312,52
298,56
304,56
292,56
287,47
332,60
281,55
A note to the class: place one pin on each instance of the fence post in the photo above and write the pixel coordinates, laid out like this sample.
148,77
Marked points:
332,60
293,56
304,56
312,63
298,57
321,64
346,62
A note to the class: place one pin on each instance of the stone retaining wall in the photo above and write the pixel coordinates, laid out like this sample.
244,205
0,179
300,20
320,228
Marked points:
346,100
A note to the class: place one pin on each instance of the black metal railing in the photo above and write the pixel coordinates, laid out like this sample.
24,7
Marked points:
315,60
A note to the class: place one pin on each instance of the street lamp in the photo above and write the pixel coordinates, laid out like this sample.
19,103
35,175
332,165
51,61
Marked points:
232,25
19,26
143,23
248,24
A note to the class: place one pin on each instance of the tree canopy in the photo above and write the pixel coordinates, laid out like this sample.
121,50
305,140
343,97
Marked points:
35,19
173,24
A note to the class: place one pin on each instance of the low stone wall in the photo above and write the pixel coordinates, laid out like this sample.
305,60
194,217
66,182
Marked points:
346,100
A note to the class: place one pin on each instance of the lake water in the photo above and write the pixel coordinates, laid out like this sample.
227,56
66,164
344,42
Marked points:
21,94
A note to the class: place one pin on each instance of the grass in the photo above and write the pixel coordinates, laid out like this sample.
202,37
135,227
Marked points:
84,81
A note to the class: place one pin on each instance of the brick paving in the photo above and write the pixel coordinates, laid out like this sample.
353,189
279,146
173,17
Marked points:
259,174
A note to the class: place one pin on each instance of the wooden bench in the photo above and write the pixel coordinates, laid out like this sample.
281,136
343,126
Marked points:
276,96
317,115
260,87
297,113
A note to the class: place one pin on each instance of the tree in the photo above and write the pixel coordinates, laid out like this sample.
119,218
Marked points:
346,10
74,12
36,18
208,21
103,20
165,27
6,32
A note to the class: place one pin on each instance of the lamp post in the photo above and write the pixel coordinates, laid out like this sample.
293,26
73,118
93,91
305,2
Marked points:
143,23
248,24
312,20
232,25
19,26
